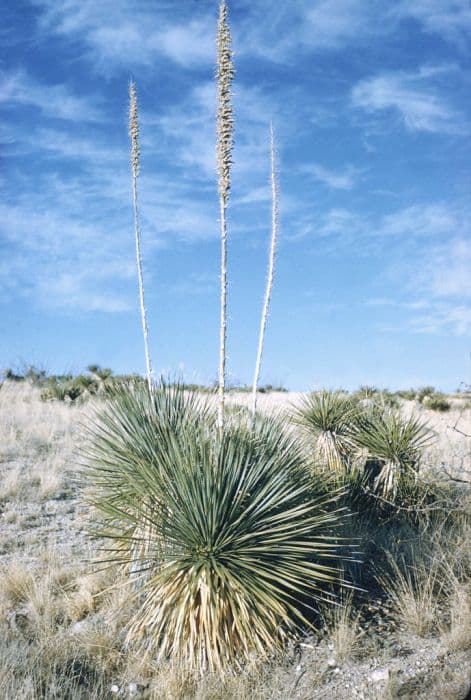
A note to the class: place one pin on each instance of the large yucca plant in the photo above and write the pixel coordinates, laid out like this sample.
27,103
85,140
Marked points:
395,442
326,419
227,541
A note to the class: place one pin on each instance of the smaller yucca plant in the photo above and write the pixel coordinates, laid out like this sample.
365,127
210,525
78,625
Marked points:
327,419
395,443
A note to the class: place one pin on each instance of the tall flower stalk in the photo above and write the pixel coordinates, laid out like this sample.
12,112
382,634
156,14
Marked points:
271,266
135,153
225,141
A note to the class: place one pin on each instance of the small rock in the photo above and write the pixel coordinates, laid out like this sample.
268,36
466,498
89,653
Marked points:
114,689
78,627
381,674
132,689
331,662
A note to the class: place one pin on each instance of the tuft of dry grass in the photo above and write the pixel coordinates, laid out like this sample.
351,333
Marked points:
343,630
414,591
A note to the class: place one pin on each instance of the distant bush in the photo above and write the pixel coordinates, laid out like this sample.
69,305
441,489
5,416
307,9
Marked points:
407,394
64,391
267,388
10,375
424,392
372,395
366,392
437,402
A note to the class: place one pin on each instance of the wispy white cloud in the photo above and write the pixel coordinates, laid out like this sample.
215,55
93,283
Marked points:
189,128
414,223
450,19
123,34
196,284
438,282
280,31
422,220
412,97
60,261
446,270
431,316
386,301
335,179
255,196
332,25
79,291
127,34
53,101
444,318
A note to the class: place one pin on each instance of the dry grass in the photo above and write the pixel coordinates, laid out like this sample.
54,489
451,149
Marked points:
414,591
343,630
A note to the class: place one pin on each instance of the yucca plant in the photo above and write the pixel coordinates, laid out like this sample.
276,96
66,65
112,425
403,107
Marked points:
229,541
327,419
395,445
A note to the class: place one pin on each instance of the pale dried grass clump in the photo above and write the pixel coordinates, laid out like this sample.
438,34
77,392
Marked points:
457,636
343,629
30,425
414,591
16,585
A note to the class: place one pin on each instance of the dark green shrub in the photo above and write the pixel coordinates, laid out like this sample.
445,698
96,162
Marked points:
10,375
437,402
407,394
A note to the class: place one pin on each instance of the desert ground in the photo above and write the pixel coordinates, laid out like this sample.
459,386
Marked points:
62,616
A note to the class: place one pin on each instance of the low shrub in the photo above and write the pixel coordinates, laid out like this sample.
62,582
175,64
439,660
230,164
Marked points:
425,392
437,402
407,394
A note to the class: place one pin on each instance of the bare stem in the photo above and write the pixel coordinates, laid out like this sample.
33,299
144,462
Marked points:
271,267
135,153
225,140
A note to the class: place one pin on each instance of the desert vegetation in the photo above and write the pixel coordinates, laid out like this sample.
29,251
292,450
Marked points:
161,540
388,617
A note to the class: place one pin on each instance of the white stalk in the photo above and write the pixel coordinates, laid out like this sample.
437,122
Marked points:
225,130
135,152
271,268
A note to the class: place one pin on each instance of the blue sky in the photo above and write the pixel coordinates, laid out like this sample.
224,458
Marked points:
370,102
